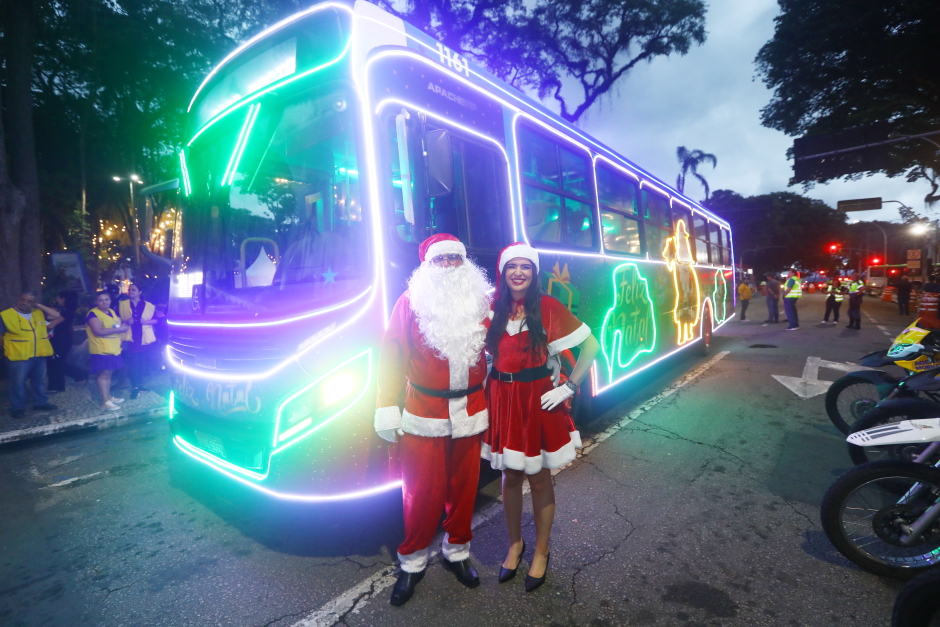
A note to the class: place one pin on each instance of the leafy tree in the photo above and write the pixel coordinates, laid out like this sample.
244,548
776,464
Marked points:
843,63
547,44
689,161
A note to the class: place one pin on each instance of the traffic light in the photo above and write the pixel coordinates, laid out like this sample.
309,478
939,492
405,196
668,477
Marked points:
893,271
834,247
823,272
875,261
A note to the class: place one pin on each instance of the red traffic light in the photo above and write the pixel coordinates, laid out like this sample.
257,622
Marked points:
833,247
875,261
822,272
893,271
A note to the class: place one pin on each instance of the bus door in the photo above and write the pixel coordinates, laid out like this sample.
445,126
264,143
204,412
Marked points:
441,179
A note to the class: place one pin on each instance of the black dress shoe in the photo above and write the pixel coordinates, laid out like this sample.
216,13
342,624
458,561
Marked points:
505,574
464,571
404,587
534,583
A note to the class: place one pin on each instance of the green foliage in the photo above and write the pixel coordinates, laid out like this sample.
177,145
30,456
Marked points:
546,45
843,63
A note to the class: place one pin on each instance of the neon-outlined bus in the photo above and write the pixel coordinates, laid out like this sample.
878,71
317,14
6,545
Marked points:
322,151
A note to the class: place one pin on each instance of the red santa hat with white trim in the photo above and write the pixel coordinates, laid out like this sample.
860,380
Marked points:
441,244
517,249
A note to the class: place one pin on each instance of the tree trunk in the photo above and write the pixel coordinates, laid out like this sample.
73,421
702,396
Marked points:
11,218
21,142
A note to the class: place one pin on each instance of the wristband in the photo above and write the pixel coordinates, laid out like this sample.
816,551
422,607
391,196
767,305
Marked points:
571,384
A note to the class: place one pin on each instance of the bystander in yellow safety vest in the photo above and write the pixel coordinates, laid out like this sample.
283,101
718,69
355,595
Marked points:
25,338
109,344
797,289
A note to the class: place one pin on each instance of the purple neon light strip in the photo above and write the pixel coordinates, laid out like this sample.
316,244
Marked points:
187,448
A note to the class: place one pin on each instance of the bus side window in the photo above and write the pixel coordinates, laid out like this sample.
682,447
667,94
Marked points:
619,216
726,246
714,243
700,230
557,193
681,213
658,225
485,176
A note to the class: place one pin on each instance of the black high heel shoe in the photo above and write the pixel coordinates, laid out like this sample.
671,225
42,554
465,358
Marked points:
534,583
505,574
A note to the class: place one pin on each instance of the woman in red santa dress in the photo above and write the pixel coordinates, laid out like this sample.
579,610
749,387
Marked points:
531,430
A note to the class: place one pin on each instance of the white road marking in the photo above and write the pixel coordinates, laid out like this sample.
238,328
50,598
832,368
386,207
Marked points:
358,596
809,385
881,327
74,479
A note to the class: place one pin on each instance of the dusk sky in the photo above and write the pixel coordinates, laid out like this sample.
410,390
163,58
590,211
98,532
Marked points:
710,100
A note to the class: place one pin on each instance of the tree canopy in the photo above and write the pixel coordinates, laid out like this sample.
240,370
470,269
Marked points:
838,64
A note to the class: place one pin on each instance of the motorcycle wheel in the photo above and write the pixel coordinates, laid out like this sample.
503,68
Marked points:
884,416
918,602
848,399
862,515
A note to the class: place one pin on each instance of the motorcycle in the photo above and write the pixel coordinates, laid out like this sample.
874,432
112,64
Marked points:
849,398
885,515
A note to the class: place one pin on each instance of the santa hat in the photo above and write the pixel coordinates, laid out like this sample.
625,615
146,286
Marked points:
517,249
441,244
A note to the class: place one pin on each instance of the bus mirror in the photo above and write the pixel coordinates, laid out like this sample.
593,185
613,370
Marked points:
440,162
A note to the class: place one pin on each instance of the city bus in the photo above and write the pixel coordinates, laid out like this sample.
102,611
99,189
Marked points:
320,154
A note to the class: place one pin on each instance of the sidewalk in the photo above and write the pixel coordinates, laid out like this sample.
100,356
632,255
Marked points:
77,411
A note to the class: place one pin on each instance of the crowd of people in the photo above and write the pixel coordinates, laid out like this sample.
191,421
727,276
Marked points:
836,290
39,344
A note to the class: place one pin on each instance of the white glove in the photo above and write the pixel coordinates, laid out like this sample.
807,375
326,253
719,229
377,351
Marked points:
554,364
390,435
552,398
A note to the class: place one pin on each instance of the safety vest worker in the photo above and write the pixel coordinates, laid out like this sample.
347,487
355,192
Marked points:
795,287
25,336
855,286
108,344
834,292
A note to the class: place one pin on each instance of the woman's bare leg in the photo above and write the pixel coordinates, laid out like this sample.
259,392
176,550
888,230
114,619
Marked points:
543,504
512,508
104,385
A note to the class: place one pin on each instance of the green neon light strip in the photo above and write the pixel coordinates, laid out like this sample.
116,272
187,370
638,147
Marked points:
618,335
297,427
720,304
187,188
172,406
233,161
271,87
280,410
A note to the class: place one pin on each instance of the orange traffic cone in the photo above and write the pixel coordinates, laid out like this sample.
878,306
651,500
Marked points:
886,295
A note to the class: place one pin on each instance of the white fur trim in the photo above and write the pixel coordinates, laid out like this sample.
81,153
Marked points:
465,426
414,563
514,327
454,427
518,250
516,460
569,341
387,418
454,552
445,247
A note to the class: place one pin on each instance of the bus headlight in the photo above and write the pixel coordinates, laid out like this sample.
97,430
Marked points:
318,403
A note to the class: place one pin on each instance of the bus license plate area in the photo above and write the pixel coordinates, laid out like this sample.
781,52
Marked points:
210,443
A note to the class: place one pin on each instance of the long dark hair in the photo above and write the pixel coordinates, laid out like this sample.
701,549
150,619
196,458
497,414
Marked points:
502,309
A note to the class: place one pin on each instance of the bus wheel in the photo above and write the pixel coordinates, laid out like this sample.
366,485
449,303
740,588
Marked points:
705,344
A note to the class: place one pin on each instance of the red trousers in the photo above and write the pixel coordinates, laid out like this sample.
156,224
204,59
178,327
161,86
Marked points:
439,474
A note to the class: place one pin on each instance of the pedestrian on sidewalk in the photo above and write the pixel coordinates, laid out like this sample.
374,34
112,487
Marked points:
793,289
904,296
62,340
855,302
104,331
773,299
531,430
744,294
833,301
25,348
139,315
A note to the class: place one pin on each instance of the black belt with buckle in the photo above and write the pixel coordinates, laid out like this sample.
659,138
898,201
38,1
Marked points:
446,393
523,376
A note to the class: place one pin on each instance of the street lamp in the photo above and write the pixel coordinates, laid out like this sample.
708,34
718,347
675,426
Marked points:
135,231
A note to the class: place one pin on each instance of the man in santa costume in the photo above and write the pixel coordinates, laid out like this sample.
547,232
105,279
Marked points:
433,352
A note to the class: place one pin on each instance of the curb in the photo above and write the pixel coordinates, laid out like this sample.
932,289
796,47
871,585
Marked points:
101,421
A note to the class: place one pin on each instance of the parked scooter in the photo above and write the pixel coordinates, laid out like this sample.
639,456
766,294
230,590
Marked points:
849,398
926,386
885,515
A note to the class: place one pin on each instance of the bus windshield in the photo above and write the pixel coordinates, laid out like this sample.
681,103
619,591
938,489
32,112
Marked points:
274,219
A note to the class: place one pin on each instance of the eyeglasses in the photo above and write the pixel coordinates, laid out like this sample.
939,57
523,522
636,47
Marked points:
439,260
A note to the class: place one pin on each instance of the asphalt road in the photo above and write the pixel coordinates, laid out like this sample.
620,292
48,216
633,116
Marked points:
698,506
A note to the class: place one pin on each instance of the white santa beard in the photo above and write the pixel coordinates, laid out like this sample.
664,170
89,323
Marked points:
451,304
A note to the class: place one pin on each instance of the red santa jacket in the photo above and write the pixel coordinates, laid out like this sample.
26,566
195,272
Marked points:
405,357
